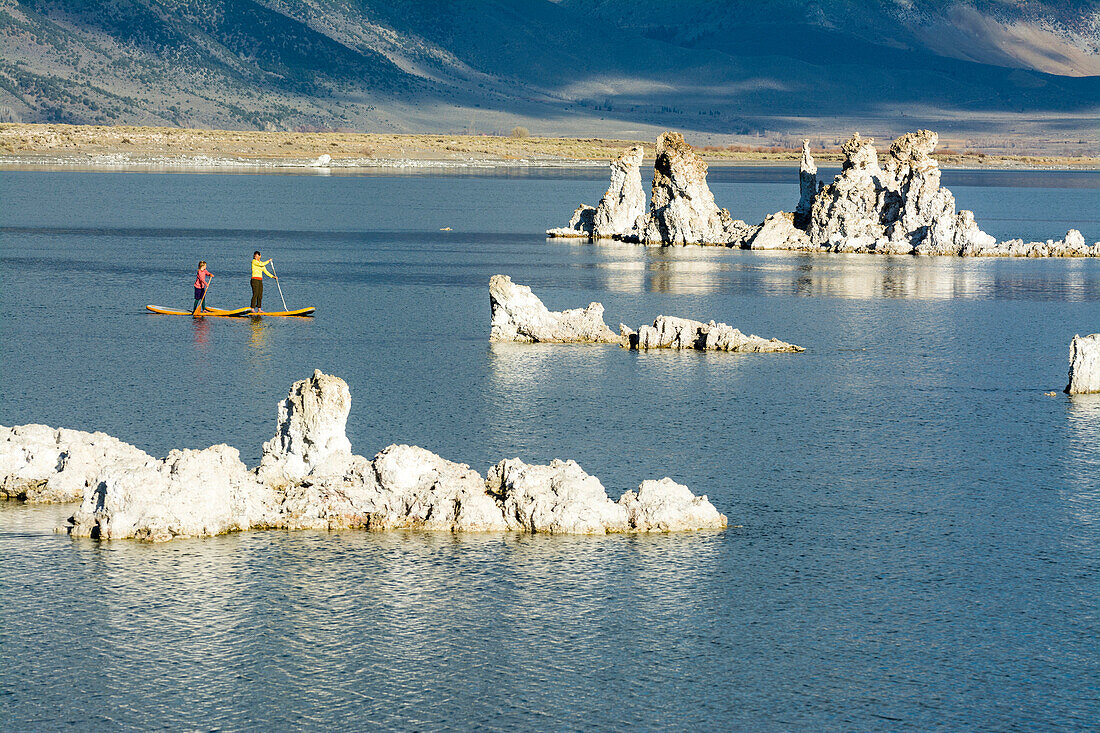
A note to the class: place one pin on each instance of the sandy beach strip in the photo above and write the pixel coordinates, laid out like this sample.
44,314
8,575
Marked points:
30,146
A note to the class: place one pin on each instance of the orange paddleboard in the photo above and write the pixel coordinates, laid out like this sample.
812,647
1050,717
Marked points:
246,312
209,312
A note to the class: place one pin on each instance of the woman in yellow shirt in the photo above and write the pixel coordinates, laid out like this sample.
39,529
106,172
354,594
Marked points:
259,269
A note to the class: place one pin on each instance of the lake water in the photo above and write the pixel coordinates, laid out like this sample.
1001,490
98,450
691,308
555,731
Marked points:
917,539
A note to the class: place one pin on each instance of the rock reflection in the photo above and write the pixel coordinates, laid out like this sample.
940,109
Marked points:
622,266
524,369
1082,459
529,381
694,370
671,272
702,270
890,277
176,607
624,276
328,629
675,270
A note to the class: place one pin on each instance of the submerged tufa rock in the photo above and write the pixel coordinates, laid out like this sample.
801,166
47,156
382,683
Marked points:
580,224
1073,245
559,498
668,332
518,315
666,506
402,487
1084,365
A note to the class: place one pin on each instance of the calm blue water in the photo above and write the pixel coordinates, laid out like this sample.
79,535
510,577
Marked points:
917,545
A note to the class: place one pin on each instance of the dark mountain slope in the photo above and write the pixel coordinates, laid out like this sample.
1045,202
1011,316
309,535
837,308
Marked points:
582,55
569,67
219,35
1051,36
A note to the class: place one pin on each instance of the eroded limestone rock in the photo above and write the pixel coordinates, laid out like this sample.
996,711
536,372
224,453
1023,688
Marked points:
42,464
1073,245
190,493
424,490
333,501
681,205
845,214
779,232
563,498
581,224
518,315
900,208
807,186
558,498
1084,364
311,480
310,432
622,207
669,332
205,493
666,506
967,238
402,487
919,213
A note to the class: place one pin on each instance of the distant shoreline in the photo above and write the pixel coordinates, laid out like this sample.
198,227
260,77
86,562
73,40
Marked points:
203,163
33,146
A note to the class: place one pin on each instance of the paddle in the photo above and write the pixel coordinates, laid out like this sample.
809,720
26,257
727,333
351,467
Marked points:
280,287
202,301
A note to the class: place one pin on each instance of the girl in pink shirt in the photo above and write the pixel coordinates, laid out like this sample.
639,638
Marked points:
201,284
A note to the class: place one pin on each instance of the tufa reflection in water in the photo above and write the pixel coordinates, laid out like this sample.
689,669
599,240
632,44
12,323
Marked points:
345,626
702,270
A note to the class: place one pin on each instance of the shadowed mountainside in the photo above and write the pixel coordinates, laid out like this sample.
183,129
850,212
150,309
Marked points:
1056,37
574,67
